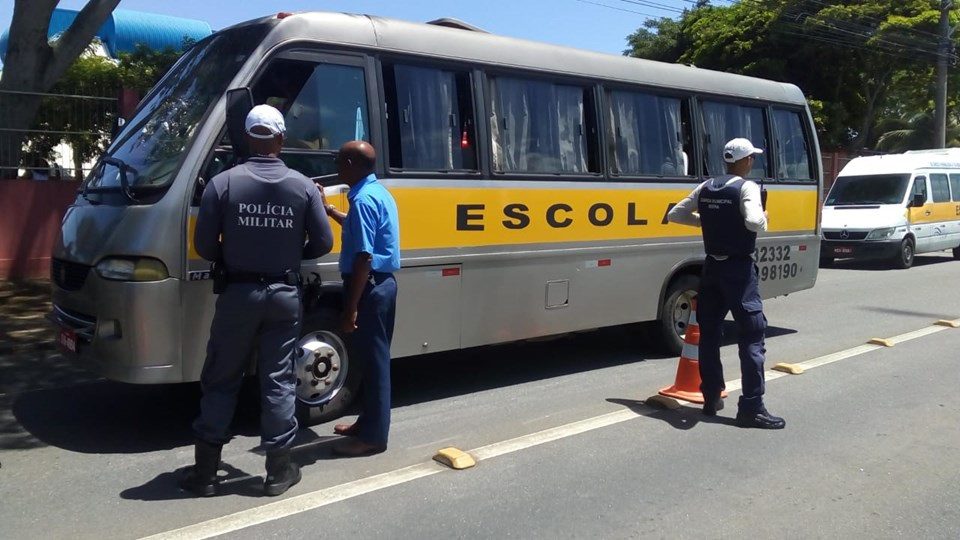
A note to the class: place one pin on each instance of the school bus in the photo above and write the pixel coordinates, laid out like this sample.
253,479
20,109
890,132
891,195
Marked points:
533,183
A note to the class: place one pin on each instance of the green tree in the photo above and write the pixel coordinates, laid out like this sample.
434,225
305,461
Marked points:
33,64
857,61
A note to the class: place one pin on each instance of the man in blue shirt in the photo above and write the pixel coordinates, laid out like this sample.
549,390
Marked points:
369,255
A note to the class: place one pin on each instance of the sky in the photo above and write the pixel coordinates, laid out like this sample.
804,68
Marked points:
596,25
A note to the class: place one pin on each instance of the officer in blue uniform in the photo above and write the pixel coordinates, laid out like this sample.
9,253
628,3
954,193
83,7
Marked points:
256,222
370,254
730,211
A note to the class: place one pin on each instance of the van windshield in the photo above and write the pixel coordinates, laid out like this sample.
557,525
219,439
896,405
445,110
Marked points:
147,153
873,189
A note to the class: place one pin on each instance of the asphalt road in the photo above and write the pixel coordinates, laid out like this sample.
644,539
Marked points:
570,447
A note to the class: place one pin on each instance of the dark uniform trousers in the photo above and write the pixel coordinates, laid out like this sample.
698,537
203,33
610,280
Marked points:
371,344
732,285
251,314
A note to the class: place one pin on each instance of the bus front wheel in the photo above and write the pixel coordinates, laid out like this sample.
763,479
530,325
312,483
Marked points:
328,380
904,258
675,312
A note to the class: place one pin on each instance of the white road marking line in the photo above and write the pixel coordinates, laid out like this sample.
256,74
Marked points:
323,497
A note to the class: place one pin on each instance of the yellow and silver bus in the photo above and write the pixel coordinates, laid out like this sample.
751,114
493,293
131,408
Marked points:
533,183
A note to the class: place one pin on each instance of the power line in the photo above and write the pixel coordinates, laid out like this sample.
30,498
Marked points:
618,9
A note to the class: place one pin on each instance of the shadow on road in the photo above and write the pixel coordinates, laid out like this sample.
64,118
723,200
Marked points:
233,481
684,418
106,417
115,418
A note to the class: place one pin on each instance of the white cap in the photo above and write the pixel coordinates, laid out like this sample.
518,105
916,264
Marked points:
737,149
265,116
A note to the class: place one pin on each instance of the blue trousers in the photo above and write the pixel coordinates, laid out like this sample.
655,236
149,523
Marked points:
248,315
370,343
732,285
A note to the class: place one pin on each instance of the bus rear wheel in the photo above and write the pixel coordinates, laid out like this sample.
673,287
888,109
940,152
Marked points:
675,311
328,381
956,252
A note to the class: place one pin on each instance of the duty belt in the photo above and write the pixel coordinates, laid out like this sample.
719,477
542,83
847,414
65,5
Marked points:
289,278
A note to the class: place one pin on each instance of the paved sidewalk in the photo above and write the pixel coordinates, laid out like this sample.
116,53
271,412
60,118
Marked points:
23,305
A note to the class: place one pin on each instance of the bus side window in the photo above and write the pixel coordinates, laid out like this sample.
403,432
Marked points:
647,135
324,105
955,186
793,156
542,127
940,186
725,121
430,119
919,188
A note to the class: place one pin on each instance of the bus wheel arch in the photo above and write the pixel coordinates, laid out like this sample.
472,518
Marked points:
675,308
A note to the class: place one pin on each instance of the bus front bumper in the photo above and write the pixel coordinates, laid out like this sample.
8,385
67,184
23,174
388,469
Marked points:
839,249
124,331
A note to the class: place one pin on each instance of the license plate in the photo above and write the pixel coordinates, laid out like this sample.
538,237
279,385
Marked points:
67,340
843,251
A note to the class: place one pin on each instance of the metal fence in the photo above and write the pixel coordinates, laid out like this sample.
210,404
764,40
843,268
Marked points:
64,138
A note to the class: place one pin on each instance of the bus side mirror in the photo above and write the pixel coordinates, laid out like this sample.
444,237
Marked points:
918,200
239,103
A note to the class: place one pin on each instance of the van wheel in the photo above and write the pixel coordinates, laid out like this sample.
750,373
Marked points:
904,258
328,380
675,312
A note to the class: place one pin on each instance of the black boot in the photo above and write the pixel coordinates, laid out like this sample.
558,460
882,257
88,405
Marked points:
711,405
201,478
759,418
282,474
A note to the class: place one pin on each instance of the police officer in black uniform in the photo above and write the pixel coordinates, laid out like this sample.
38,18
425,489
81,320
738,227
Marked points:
256,222
730,211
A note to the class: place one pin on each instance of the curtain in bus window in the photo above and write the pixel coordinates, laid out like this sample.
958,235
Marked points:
537,127
427,103
793,159
646,134
723,122
330,109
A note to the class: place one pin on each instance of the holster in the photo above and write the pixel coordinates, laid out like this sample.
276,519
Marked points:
218,272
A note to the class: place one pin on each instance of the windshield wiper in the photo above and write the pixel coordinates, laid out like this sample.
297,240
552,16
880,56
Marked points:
124,182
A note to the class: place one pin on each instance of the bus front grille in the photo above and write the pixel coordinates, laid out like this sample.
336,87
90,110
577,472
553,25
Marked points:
68,275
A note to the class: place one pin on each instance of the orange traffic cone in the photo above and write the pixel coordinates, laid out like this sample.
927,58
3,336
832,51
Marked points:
687,383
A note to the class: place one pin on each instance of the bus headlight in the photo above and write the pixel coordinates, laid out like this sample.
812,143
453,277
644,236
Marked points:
881,234
132,269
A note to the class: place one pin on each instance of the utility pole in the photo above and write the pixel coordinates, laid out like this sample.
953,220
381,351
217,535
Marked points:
944,51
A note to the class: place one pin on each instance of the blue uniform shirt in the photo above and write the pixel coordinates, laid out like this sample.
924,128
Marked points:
372,226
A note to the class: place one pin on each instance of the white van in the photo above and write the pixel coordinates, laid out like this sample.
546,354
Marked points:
892,207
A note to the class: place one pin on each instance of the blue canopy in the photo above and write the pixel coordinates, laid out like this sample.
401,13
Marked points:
123,30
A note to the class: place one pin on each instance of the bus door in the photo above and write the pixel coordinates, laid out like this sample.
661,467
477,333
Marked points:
920,214
324,102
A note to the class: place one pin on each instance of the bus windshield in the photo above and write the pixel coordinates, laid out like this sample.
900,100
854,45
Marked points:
147,153
873,189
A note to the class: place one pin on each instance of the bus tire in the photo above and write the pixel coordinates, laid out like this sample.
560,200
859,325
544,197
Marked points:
956,252
339,404
826,262
904,257
674,312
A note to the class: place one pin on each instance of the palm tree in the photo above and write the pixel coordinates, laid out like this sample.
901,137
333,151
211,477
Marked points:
913,132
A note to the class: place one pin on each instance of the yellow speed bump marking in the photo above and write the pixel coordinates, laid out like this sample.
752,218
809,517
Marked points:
662,402
792,369
950,324
454,458
883,342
